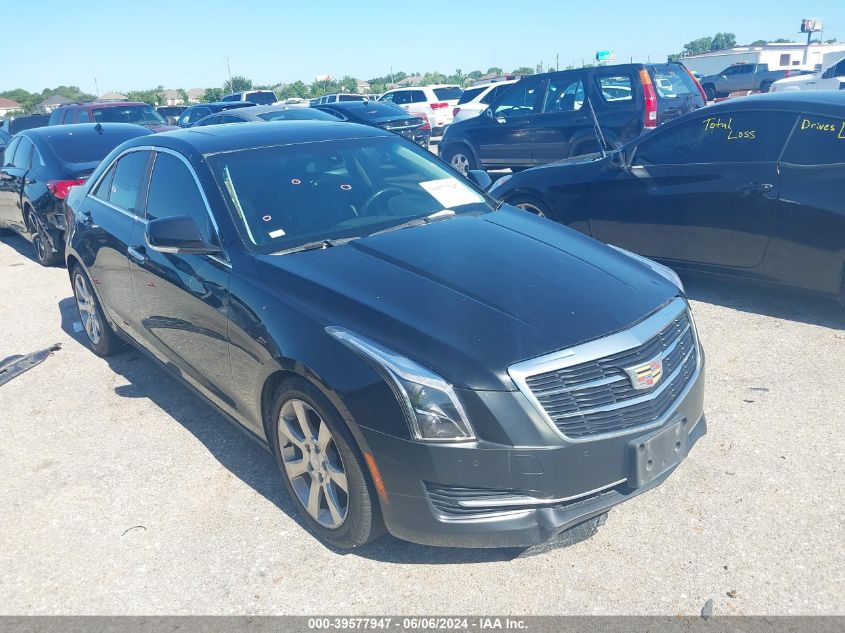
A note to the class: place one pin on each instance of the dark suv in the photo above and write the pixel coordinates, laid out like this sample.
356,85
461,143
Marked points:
111,112
201,110
546,117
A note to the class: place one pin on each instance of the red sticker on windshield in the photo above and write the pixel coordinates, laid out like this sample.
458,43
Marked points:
296,181
267,218
346,187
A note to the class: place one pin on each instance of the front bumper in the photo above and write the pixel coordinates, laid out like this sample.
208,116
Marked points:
490,495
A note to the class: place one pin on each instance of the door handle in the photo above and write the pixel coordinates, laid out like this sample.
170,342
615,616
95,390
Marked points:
753,188
137,254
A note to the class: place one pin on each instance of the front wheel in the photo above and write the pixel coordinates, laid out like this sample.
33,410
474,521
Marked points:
766,86
100,336
461,159
322,468
532,205
709,91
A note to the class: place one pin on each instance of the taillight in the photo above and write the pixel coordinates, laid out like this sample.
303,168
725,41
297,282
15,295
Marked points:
438,106
60,188
697,85
650,119
788,72
455,111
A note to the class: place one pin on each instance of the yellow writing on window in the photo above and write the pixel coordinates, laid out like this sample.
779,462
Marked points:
819,126
717,124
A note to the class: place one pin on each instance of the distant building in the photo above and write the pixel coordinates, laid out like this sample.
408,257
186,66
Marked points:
7,106
410,80
362,87
51,103
112,96
790,55
195,95
172,98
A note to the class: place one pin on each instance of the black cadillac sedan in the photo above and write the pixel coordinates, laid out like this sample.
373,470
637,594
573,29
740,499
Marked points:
416,358
750,188
39,167
265,114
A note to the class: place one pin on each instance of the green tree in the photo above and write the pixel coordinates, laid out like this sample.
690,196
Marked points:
475,74
238,83
495,69
153,96
758,43
212,94
783,40
183,95
524,70
721,41
348,84
296,89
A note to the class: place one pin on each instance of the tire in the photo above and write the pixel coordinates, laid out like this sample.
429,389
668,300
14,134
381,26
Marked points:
532,205
315,468
44,253
460,158
101,337
709,91
766,86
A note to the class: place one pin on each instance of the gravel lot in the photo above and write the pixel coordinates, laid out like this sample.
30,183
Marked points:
124,494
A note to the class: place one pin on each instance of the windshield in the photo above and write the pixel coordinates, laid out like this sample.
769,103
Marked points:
297,114
470,94
137,114
336,189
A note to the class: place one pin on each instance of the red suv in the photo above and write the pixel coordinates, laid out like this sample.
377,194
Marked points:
111,112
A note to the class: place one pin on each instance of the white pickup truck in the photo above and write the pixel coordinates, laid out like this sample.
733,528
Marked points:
830,77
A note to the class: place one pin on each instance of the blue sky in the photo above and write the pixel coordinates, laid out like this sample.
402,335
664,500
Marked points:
184,43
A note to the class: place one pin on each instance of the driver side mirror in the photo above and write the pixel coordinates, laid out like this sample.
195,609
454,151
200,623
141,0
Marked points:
480,177
177,234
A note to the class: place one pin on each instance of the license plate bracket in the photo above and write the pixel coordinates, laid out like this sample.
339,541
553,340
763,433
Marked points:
652,456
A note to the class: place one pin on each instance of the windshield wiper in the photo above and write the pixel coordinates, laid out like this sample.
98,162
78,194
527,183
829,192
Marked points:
315,245
433,217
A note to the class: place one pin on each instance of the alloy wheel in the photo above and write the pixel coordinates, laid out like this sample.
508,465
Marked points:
527,206
38,240
313,464
460,162
87,306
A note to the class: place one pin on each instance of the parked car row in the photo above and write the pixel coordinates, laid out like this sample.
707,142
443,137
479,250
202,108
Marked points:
437,102
830,77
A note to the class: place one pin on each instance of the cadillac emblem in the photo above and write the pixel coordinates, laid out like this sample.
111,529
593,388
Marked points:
647,375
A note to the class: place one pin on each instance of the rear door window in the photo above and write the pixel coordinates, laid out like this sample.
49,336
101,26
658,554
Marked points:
70,116
126,182
817,140
261,98
197,114
729,137
84,117
22,156
564,94
9,155
416,96
615,89
402,98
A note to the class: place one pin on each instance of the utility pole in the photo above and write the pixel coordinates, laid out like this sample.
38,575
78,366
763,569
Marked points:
229,68
557,61
96,87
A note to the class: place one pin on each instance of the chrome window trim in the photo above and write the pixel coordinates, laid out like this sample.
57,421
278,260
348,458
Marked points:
622,341
524,500
224,260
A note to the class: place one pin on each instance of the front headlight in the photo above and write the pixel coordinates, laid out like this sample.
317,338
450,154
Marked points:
660,269
433,410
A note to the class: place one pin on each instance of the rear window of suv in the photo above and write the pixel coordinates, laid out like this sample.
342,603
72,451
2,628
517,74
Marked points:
671,82
448,94
261,98
471,94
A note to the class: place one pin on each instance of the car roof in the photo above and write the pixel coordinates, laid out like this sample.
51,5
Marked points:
816,100
82,130
105,104
226,104
215,139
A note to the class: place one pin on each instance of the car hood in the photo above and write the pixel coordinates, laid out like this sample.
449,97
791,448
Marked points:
469,296
157,127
